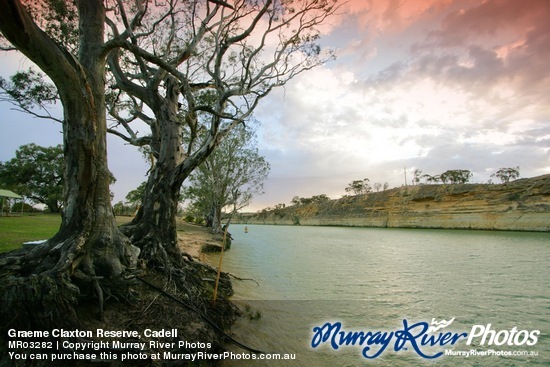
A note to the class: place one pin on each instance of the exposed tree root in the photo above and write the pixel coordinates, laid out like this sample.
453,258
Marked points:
60,286
243,279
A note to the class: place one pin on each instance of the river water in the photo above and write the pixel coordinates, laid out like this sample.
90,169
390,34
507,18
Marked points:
373,279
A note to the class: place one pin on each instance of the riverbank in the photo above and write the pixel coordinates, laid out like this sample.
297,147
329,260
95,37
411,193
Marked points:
521,205
179,303
194,240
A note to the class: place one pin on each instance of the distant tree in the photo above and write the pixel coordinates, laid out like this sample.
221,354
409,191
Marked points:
358,187
306,201
20,206
416,176
507,174
296,200
230,176
134,197
320,198
37,173
377,186
431,179
457,176
385,186
119,208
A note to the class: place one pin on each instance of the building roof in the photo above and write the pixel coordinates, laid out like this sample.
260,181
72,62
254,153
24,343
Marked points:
9,194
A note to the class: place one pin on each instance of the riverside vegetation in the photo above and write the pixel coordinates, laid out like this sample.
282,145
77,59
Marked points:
521,205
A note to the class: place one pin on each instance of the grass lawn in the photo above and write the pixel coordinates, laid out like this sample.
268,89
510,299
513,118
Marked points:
16,230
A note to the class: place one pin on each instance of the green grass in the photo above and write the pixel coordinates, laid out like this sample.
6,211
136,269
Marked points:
18,229
15,230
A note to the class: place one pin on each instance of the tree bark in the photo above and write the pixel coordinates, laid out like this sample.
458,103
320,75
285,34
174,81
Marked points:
88,251
89,256
216,225
154,228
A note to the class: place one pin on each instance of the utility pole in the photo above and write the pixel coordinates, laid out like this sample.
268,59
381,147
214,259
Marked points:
405,172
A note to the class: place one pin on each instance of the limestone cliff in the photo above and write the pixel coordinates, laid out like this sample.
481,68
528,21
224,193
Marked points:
522,205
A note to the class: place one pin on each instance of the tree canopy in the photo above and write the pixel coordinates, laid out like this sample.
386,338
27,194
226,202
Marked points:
455,176
191,71
229,177
507,174
37,173
358,187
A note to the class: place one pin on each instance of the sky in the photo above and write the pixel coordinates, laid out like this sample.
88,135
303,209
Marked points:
417,84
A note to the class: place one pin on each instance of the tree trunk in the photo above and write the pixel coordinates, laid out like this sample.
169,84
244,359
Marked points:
41,284
153,229
53,206
216,210
89,256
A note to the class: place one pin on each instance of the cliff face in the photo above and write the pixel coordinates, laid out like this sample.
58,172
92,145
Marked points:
522,205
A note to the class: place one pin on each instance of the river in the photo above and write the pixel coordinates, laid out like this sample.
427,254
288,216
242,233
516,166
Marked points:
373,279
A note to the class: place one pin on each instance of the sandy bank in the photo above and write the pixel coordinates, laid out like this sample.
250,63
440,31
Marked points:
193,239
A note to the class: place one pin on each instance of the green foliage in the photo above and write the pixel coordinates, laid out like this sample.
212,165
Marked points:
135,196
126,209
320,198
59,19
456,176
417,175
28,89
314,199
20,206
37,173
231,176
507,174
358,187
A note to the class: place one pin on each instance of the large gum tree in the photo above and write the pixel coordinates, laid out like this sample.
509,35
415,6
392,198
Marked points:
40,285
192,71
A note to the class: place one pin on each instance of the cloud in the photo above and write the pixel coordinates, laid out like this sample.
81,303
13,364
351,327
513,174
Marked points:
435,86
485,21
504,40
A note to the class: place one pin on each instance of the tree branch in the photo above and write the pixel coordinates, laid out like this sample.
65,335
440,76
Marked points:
21,31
